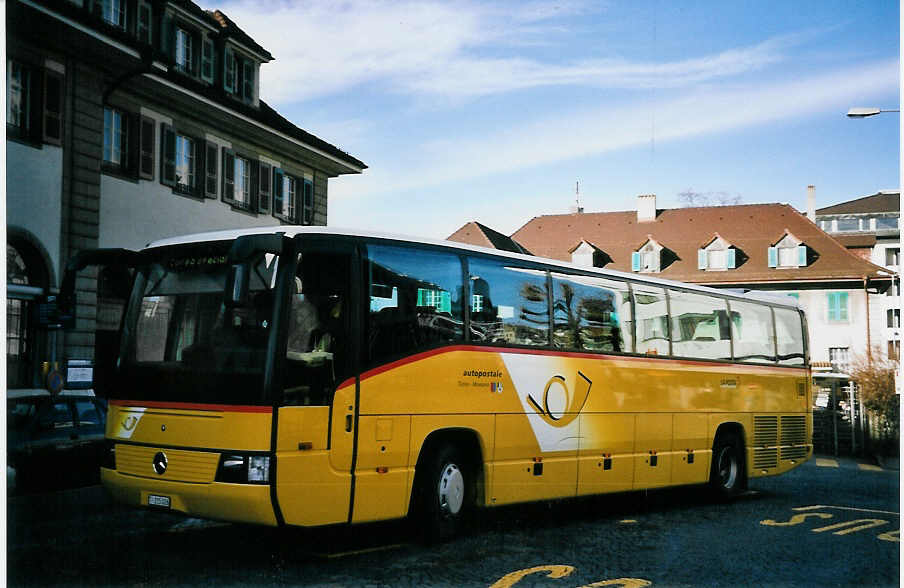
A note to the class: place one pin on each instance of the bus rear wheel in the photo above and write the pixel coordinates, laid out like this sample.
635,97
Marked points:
728,476
445,494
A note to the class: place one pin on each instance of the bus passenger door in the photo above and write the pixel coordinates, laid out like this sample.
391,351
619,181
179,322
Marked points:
318,407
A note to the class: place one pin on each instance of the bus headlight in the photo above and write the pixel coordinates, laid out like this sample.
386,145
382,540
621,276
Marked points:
241,468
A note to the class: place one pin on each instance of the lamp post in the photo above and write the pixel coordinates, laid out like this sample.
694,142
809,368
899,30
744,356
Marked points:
861,112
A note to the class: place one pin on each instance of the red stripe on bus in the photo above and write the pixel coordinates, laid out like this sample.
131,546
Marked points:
194,406
576,354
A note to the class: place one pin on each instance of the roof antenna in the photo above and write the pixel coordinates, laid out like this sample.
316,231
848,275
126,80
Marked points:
577,208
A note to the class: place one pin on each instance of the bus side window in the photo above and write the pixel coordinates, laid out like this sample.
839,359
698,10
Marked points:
789,331
509,304
651,320
415,301
699,326
591,314
751,329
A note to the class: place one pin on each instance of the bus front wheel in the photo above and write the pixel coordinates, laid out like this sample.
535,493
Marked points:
728,476
445,494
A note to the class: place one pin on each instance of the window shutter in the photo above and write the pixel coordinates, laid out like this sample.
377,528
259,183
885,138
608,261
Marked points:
730,262
208,61
253,189
168,36
53,108
307,204
228,175
146,147
263,199
277,192
802,255
843,306
773,257
132,159
635,261
701,259
167,155
211,178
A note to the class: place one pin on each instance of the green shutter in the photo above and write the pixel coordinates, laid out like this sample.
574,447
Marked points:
701,259
635,261
731,262
167,155
802,255
773,257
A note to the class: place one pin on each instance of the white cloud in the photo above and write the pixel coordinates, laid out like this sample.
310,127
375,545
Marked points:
451,50
572,135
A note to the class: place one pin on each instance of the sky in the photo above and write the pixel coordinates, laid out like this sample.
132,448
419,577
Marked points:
496,111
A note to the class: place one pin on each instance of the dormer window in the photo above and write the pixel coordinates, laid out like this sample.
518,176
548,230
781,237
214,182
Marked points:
789,252
718,255
114,12
588,255
239,76
184,51
648,258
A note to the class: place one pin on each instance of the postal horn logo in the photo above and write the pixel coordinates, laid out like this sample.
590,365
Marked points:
129,422
560,406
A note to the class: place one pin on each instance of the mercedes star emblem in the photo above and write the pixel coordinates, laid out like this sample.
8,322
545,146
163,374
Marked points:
160,463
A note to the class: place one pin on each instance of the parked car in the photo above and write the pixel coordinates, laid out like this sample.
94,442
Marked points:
54,441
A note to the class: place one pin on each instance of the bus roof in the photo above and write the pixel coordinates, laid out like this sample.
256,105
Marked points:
293,230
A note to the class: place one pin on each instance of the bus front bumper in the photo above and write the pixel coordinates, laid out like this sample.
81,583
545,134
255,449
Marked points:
240,503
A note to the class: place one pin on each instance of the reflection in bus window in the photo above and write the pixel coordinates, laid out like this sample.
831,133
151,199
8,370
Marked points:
591,314
699,326
789,331
508,304
651,320
415,300
751,327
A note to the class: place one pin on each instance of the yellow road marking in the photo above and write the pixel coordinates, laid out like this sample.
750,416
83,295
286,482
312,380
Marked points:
867,467
858,525
796,519
553,571
826,463
627,521
893,536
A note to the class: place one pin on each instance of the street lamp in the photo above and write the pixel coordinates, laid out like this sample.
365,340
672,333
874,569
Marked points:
861,112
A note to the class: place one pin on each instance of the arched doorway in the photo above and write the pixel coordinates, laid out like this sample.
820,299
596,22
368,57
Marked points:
26,280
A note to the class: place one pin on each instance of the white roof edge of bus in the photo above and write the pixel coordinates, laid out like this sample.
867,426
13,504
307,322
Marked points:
293,230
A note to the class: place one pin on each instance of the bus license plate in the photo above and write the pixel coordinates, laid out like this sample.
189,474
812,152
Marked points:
155,500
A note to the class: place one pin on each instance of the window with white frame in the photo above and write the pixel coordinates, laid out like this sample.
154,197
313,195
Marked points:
840,358
647,258
186,160
18,95
114,12
116,137
290,196
718,255
184,56
242,189
789,252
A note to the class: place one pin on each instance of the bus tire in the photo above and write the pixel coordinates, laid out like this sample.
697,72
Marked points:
728,474
445,494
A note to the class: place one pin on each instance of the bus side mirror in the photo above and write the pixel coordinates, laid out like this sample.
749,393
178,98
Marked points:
66,301
237,285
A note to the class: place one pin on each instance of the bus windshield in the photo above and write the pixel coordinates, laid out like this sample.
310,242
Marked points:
182,343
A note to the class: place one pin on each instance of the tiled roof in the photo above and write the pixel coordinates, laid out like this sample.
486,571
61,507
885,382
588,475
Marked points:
475,233
879,202
851,241
751,229
231,29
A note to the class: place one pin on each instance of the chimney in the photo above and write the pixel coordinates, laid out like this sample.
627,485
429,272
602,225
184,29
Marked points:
646,208
811,203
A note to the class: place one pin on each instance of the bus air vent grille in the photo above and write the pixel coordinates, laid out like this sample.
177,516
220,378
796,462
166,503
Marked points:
182,466
765,431
798,452
794,430
765,458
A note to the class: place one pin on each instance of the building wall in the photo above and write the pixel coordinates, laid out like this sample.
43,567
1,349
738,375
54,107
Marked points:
135,213
33,195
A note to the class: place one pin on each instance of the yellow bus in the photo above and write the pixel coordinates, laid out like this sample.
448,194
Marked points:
312,376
